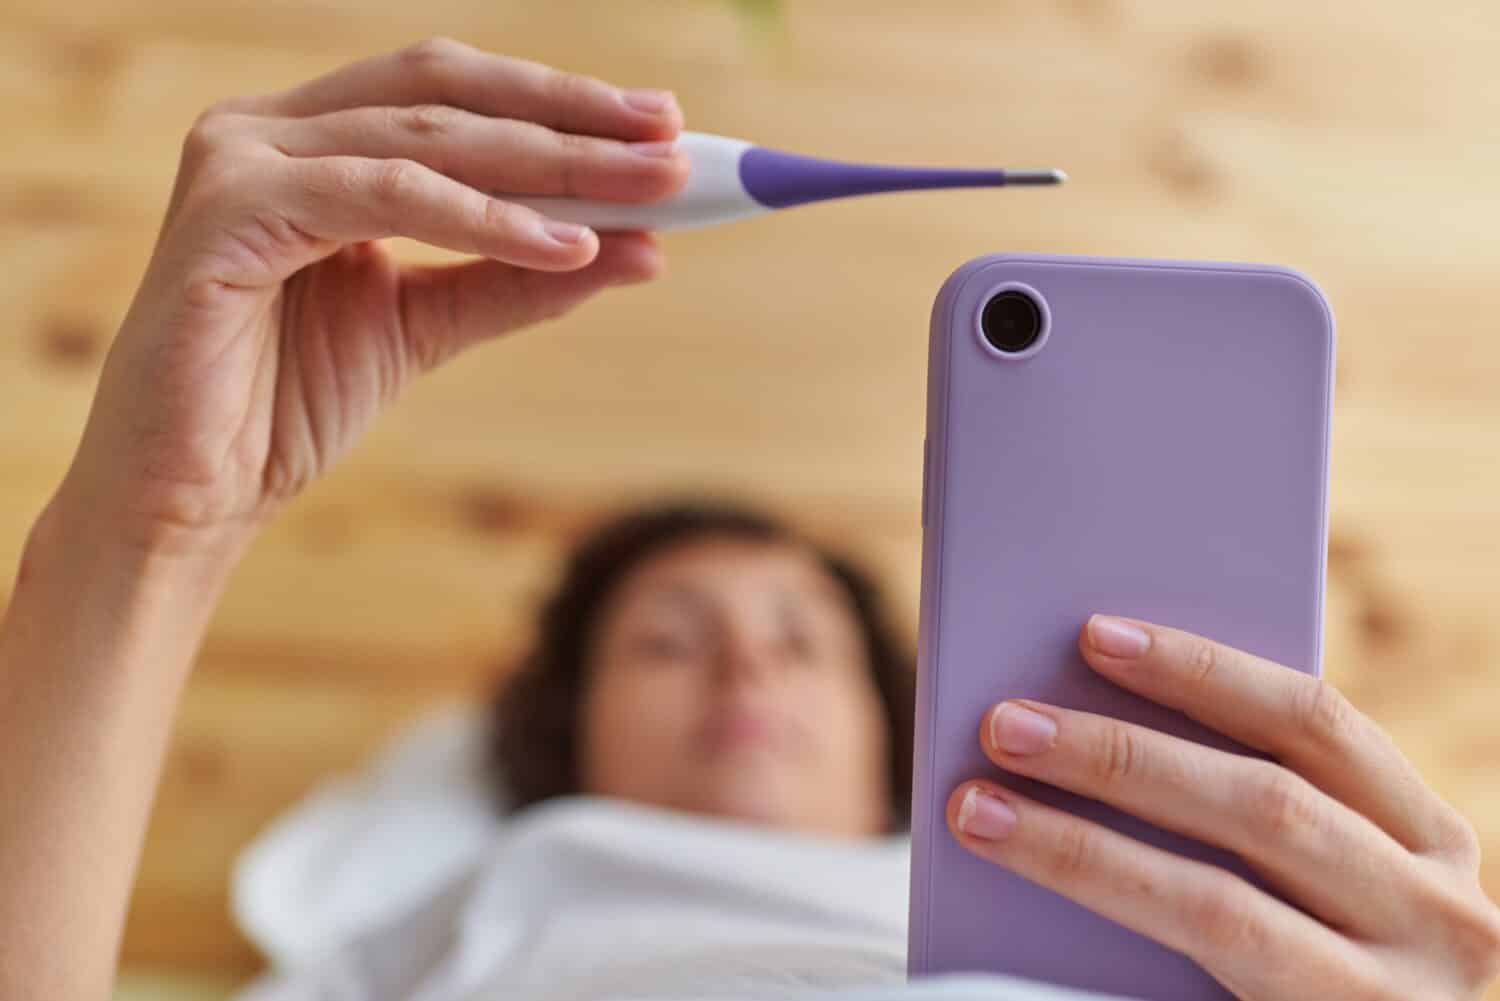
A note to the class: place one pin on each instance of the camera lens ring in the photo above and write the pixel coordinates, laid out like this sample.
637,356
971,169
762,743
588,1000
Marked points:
1012,321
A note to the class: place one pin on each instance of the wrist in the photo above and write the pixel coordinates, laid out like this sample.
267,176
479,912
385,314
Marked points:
80,559
86,519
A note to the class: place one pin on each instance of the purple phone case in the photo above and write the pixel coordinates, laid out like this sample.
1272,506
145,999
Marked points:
1163,454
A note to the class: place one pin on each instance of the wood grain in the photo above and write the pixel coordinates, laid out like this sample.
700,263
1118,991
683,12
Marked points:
782,359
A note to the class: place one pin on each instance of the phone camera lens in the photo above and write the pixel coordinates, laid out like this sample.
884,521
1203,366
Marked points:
1012,321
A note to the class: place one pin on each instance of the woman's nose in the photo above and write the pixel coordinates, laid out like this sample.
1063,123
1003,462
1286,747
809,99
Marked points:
745,662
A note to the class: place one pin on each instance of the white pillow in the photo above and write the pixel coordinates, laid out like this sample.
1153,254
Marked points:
361,849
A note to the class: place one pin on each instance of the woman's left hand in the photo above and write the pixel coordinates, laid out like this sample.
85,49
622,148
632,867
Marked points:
1385,872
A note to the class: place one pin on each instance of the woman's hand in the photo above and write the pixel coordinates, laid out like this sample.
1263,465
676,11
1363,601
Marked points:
1385,872
270,329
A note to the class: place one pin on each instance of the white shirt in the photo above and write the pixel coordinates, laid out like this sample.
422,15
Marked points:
407,885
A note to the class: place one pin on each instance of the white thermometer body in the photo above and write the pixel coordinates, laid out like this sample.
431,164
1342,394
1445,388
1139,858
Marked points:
732,179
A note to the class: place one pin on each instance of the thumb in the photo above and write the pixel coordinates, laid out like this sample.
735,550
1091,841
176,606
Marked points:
447,308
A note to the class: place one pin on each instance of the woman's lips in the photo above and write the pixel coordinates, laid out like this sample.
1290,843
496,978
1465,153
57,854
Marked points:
742,729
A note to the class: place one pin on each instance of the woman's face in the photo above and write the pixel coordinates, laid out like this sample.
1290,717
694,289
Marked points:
729,677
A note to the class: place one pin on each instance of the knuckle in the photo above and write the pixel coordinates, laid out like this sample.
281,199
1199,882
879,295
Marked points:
1461,837
208,119
339,179
499,215
575,150
394,180
1278,802
224,184
1202,660
428,119
1223,919
567,88
430,56
223,108
1322,712
208,133
1116,760
1071,854
573,144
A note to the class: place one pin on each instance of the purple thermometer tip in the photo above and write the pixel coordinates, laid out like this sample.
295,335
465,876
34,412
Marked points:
778,180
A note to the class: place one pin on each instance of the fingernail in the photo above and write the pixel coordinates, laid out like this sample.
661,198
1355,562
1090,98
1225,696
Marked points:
1116,637
985,817
652,102
655,150
1018,730
565,232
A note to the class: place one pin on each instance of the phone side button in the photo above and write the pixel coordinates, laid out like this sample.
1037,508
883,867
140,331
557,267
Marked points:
926,468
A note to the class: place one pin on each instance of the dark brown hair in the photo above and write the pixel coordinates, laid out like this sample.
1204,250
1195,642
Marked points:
536,716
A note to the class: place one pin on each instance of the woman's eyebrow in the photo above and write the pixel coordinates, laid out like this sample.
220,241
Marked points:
680,594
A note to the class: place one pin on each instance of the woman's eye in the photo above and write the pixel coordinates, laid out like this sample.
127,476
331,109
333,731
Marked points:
663,646
798,647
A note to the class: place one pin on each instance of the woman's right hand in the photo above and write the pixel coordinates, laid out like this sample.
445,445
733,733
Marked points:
268,331
271,327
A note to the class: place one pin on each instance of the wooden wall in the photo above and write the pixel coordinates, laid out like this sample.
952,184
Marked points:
782,359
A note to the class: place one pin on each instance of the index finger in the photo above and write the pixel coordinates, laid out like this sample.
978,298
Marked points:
1304,722
444,71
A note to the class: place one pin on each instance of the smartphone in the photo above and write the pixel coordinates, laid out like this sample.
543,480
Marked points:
1138,437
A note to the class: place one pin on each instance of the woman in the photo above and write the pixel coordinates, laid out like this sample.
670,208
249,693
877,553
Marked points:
267,333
